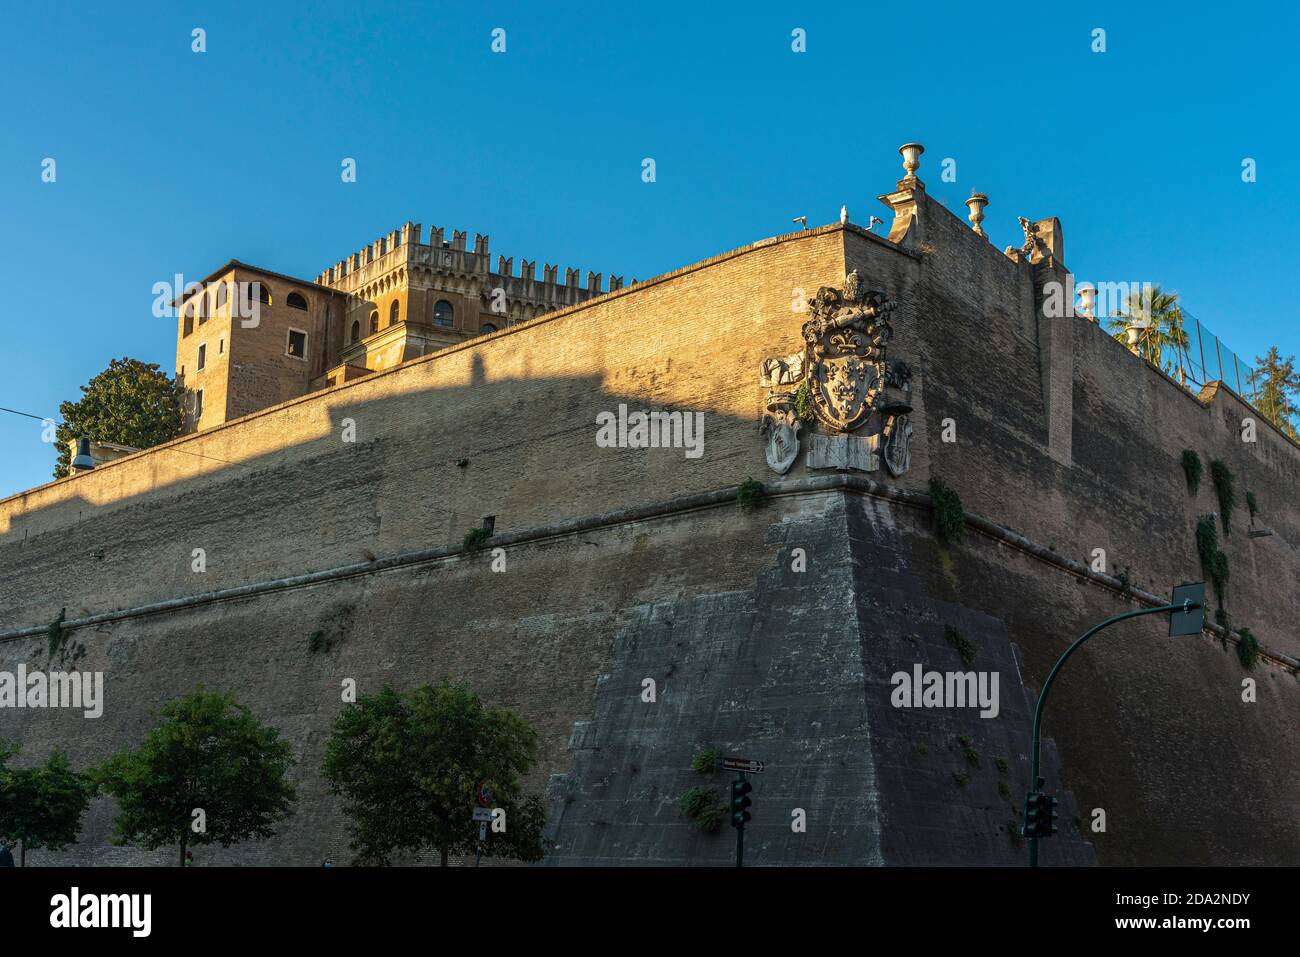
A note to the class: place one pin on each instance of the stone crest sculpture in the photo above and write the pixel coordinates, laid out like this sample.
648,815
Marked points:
781,425
842,381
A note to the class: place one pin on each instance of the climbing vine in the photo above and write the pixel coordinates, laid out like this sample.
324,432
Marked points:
1221,476
1214,563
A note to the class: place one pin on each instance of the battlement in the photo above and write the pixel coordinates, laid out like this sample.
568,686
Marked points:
404,248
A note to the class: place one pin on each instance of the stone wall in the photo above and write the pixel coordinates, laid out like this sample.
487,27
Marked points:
1062,436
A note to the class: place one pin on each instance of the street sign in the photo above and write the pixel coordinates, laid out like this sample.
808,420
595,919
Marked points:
740,764
482,814
483,795
1189,617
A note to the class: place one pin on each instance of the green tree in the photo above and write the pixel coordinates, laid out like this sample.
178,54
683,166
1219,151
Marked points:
41,806
207,753
131,403
408,765
1277,381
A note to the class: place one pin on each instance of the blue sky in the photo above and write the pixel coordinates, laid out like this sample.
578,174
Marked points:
170,161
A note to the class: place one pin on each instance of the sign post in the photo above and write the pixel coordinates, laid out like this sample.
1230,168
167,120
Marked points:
740,789
482,815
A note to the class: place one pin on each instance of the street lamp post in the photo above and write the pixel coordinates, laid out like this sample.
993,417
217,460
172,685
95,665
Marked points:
1187,618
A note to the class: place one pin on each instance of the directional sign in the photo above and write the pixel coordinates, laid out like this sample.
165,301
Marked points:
740,764
1189,618
482,814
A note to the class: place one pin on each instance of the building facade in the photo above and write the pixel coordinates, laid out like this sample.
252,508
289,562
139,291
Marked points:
249,338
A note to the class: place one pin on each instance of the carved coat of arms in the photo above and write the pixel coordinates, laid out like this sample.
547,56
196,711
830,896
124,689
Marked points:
842,381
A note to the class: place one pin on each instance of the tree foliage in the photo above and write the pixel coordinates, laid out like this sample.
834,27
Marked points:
130,403
41,806
208,753
1163,331
1277,382
408,766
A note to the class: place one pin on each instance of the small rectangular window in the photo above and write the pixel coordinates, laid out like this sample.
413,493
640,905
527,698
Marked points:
203,356
198,406
297,344
221,347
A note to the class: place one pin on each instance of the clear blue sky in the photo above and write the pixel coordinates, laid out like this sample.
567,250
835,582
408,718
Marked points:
171,161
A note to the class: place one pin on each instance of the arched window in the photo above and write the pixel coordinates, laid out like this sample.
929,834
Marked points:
261,293
487,327
356,331
222,294
443,314
394,313
374,323
188,313
295,301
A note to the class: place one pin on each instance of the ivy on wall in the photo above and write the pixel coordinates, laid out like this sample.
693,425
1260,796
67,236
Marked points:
1221,476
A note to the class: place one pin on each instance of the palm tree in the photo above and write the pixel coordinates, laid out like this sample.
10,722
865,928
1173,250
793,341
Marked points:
1159,322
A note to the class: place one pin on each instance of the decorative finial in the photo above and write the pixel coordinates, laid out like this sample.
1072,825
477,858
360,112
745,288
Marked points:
844,214
1087,307
911,157
976,204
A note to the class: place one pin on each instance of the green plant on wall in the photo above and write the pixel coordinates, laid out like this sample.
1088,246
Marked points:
949,518
704,760
750,495
1192,470
1214,563
1125,583
702,808
803,406
1221,476
1247,649
1223,621
475,539
1252,506
966,648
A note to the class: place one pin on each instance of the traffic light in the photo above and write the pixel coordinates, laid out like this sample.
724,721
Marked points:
740,789
1040,814
1047,811
1031,815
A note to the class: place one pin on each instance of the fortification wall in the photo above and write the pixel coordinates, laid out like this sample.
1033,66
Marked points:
750,657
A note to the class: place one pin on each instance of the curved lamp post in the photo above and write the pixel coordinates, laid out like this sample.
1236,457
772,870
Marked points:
1188,618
